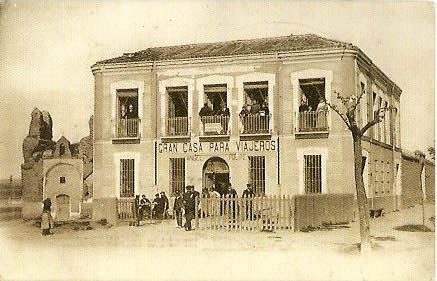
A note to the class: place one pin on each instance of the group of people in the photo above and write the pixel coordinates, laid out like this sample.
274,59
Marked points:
206,110
186,203
318,121
255,108
157,209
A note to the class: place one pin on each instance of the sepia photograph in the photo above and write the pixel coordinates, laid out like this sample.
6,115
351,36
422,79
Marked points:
217,140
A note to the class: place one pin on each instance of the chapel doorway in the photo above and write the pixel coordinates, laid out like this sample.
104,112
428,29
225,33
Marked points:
215,175
62,207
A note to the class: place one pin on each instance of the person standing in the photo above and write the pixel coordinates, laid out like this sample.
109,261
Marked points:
189,206
248,193
158,207
178,207
46,218
232,193
164,202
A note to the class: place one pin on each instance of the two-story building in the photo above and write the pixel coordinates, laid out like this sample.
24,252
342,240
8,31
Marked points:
244,111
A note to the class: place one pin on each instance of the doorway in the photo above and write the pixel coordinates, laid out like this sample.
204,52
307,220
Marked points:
62,207
215,175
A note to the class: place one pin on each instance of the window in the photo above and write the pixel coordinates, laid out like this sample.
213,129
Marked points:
61,179
389,187
216,97
312,110
177,116
376,177
177,175
313,173
257,173
127,177
387,125
127,113
255,114
395,127
215,113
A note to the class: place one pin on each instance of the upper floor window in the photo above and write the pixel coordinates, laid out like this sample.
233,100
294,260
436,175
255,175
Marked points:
127,113
214,114
255,113
177,116
312,109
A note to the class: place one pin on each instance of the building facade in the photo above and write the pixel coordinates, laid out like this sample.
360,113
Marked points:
244,111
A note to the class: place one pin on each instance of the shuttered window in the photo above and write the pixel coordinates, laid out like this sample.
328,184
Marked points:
177,175
127,177
313,173
257,173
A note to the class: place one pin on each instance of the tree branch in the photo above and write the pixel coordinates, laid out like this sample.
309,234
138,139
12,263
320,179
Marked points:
334,108
378,116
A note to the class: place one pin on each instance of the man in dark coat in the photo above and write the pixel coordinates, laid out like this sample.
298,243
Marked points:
158,207
144,207
164,200
248,193
189,205
205,110
232,193
177,208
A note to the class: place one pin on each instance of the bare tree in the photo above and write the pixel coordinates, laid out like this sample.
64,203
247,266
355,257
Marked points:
421,156
348,115
431,152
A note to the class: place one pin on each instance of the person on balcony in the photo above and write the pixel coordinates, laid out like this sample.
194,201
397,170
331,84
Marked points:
223,110
131,114
264,117
244,114
223,113
205,110
255,108
321,110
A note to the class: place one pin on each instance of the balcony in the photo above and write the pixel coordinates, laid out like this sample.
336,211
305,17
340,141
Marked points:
255,124
127,130
312,122
215,125
177,127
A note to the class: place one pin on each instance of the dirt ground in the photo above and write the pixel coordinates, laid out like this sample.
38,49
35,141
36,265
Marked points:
164,252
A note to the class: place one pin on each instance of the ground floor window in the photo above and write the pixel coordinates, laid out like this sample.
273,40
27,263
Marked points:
177,175
257,173
127,177
313,173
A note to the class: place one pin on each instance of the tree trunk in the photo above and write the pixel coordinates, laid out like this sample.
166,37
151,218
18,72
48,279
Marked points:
363,208
422,165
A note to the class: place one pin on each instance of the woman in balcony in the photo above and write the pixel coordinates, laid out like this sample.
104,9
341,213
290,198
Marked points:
321,110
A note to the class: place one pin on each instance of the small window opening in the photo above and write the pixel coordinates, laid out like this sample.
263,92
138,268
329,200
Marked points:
61,179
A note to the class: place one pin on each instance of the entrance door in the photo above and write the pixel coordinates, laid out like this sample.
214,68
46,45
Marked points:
215,174
62,207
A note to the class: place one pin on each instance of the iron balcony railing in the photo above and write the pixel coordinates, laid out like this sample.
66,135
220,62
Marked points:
215,125
255,123
312,121
177,126
128,128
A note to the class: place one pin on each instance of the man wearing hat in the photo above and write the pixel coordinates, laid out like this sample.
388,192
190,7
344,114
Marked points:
189,205
248,193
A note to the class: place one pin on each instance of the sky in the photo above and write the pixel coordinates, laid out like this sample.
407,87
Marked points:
47,48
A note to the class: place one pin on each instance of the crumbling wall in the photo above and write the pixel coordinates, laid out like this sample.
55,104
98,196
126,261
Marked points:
37,144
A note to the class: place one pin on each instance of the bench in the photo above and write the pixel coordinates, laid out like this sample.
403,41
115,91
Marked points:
375,213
